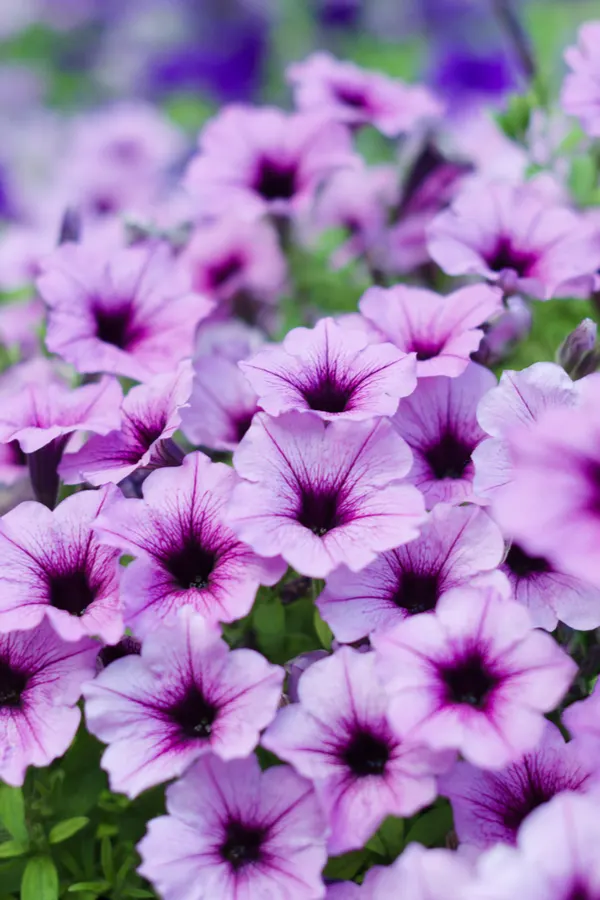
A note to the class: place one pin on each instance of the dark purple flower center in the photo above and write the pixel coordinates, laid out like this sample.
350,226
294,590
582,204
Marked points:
194,714
417,592
242,424
276,181
349,96
581,892
319,510
449,457
425,351
12,684
219,274
469,681
522,565
146,433
128,646
71,592
18,457
506,256
366,754
191,565
104,205
242,845
115,326
328,394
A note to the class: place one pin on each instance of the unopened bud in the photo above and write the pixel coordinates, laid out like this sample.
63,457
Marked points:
578,354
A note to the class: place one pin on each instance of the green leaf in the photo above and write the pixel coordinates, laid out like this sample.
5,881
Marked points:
67,829
343,868
40,880
96,887
583,178
12,812
10,849
324,632
269,618
106,859
138,892
391,835
431,828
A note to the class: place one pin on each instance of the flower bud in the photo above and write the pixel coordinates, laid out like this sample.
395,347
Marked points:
578,354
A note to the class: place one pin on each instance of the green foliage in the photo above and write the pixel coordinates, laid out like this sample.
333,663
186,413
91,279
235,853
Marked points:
552,322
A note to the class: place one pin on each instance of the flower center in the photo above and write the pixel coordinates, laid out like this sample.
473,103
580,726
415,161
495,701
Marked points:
425,351
146,433
71,592
469,681
327,395
534,785
192,565
275,181
194,714
349,96
319,511
241,425
127,646
366,754
219,274
522,565
417,592
506,256
113,326
12,684
449,457
242,844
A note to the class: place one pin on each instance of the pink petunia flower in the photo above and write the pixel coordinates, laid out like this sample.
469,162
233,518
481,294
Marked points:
52,564
258,160
151,414
516,237
442,331
234,832
313,492
473,676
186,553
438,422
356,96
581,89
333,371
40,683
420,874
338,735
583,718
126,311
456,545
186,695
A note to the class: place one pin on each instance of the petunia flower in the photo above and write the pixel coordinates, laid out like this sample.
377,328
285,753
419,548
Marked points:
313,492
40,683
333,371
583,718
186,695
556,856
438,422
234,832
442,331
473,676
151,414
580,95
186,553
356,96
123,311
490,807
52,564
258,160
516,237
338,735
420,874
455,547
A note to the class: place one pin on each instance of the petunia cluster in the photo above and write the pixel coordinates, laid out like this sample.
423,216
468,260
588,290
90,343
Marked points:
323,572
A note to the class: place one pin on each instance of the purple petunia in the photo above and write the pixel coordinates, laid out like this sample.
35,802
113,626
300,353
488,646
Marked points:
455,547
151,414
514,236
489,807
442,331
583,718
40,683
236,833
357,97
258,160
313,491
473,676
333,371
123,311
338,735
52,564
186,553
438,422
581,90
186,695
419,874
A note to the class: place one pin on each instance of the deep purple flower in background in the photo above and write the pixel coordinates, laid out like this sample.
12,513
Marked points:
186,553
338,735
455,547
186,695
357,96
473,676
151,414
515,236
438,422
442,331
556,856
52,564
234,832
40,683
312,491
420,874
332,371
259,160
123,311
581,89
489,807
466,77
